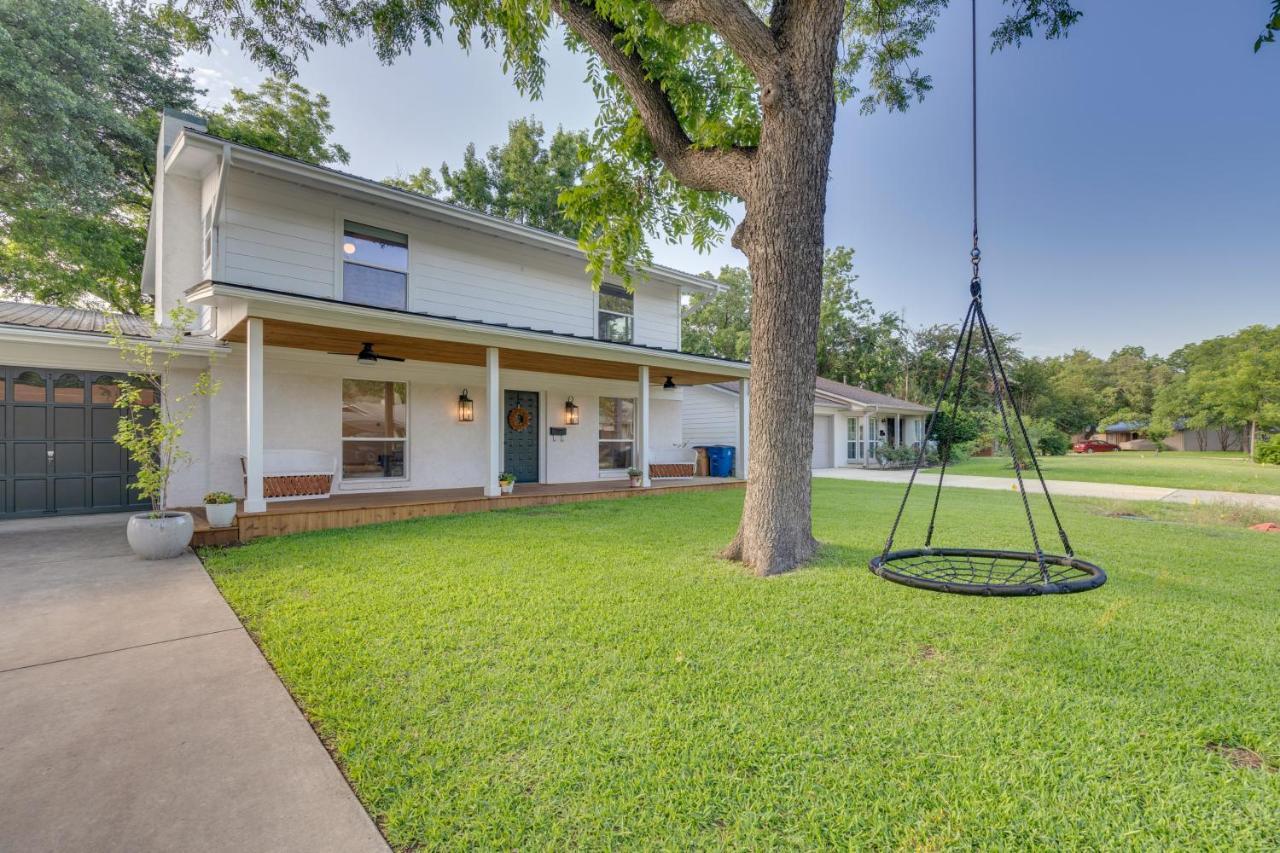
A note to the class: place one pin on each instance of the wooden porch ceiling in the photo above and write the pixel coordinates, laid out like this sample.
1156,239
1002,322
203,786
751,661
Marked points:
285,333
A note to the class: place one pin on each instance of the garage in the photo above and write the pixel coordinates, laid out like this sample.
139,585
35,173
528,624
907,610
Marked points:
822,441
58,455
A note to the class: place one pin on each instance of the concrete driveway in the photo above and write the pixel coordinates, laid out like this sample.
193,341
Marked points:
137,715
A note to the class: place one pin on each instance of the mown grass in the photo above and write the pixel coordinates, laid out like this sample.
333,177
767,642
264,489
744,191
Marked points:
593,676
1224,472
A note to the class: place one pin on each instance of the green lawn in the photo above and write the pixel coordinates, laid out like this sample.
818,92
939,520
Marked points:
592,676
1226,472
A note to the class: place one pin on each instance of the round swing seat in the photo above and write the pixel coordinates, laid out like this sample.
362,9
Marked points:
976,571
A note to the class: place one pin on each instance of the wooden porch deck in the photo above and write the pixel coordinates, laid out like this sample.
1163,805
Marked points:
355,510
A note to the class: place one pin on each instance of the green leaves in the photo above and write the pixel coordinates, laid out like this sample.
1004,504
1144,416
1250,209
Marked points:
155,405
1272,27
282,117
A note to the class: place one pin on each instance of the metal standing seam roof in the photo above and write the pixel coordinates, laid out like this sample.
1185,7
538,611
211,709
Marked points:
33,316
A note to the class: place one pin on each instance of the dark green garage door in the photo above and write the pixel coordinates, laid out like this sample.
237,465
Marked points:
57,453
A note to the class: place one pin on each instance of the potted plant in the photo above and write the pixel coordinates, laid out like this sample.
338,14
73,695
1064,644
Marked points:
156,407
637,477
220,509
506,482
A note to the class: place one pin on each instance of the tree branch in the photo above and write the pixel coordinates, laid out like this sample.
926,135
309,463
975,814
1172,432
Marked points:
710,170
736,23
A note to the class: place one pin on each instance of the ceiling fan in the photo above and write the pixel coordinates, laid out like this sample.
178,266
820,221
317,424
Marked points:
368,356
671,383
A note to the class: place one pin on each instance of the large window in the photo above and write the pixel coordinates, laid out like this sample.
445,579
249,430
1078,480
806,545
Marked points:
375,266
616,315
617,433
373,429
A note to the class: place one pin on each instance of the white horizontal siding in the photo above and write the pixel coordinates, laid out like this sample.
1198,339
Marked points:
709,416
282,236
657,317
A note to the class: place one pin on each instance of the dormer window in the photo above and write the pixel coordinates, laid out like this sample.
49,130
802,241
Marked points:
616,314
375,266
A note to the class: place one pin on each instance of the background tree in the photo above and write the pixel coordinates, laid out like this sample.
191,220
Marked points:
520,180
282,117
700,102
82,84
720,324
855,343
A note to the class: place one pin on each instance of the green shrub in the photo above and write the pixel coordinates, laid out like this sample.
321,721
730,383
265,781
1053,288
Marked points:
955,434
1268,452
1053,442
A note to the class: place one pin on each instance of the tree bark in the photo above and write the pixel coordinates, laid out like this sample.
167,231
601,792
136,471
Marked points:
782,236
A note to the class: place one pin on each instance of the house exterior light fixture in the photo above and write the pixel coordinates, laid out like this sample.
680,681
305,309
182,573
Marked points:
466,408
570,413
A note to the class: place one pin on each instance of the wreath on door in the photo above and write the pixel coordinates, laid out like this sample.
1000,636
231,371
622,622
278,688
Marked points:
518,419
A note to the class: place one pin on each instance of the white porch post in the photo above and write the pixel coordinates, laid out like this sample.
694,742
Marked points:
642,425
492,422
838,428
897,430
742,462
253,499
867,438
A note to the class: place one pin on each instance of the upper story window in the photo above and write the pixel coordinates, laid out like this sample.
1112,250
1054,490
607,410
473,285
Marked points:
375,266
615,319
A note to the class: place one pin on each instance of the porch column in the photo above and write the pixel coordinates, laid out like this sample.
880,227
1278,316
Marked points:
642,425
897,431
839,431
492,422
868,437
253,499
742,460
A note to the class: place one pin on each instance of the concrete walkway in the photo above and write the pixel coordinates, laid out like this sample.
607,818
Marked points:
137,715
1075,488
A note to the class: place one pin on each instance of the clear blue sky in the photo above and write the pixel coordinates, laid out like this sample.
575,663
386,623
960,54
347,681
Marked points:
1131,177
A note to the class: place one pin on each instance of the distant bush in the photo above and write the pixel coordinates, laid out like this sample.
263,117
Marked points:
905,457
1268,452
957,434
1053,442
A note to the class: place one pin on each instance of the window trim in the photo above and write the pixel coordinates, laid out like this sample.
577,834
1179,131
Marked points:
615,472
341,218
601,310
374,483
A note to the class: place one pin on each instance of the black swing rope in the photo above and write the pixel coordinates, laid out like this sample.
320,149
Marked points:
975,570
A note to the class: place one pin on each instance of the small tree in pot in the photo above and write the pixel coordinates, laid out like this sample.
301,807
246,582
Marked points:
150,429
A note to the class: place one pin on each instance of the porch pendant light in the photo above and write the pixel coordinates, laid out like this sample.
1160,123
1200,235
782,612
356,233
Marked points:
570,413
466,408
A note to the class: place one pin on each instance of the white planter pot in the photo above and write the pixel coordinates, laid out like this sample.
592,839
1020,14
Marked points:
507,488
160,538
220,515
637,482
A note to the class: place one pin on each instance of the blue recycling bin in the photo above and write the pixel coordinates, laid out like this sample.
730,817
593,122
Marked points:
720,460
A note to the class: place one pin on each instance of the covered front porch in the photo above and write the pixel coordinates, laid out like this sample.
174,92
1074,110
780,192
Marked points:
281,518
431,424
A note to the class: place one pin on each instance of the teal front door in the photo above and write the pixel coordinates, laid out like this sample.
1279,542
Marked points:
521,442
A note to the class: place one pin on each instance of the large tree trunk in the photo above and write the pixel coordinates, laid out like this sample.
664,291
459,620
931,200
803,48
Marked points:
782,237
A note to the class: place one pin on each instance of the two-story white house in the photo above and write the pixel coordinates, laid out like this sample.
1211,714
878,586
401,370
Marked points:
393,341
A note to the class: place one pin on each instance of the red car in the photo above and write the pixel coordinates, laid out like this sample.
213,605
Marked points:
1094,445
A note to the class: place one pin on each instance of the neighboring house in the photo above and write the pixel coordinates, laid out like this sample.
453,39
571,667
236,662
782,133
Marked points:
288,263
849,422
1128,435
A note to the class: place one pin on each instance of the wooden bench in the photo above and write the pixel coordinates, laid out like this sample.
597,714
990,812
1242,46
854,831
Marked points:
296,474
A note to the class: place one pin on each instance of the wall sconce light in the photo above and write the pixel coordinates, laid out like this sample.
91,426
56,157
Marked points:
570,412
466,408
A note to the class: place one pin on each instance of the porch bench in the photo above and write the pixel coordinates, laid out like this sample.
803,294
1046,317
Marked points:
295,474
670,469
